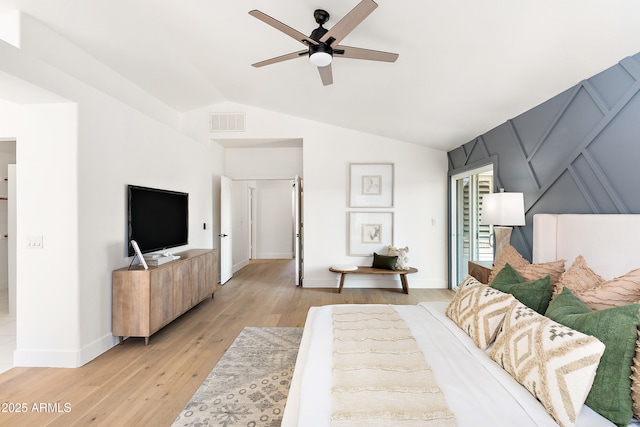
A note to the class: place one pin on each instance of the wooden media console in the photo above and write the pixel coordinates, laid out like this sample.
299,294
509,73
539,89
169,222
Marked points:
146,300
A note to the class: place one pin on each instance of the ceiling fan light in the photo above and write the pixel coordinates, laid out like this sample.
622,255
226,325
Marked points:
320,59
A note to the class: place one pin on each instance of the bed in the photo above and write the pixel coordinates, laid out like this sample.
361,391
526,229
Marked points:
477,390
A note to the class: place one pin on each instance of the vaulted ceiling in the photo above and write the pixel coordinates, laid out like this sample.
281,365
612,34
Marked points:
465,66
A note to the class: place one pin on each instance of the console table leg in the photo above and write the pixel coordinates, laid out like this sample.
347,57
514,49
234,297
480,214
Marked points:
405,284
121,339
341,282
146,340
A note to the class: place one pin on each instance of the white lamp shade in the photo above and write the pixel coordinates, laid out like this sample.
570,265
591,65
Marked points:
502,209
320,59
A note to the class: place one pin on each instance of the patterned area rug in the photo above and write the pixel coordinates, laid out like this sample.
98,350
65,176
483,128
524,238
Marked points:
250,383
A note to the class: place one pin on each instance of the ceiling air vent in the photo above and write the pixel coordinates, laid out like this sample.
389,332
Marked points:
228,122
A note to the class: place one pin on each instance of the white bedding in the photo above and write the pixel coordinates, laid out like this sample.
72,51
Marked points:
479,391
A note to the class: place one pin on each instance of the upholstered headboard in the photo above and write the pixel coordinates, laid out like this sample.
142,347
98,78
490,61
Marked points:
609,243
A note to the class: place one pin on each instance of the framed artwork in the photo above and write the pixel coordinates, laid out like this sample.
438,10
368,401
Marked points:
369,232
371,185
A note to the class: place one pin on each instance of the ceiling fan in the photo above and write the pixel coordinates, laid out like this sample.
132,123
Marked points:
323,44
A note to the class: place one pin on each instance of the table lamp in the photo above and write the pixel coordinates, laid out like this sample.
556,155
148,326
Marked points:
502,210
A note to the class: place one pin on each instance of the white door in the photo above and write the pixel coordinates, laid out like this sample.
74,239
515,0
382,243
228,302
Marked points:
226,246
297,229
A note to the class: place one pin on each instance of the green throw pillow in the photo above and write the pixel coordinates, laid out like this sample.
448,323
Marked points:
535,294
617,327
507,276
384,261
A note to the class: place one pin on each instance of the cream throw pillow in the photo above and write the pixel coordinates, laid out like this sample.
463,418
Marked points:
479,311
555,363
401,253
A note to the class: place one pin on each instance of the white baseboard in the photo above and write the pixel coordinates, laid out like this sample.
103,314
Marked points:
64,358
275,255
240,265
96,348
352,281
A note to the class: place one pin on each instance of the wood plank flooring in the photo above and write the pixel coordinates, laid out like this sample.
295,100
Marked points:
137,385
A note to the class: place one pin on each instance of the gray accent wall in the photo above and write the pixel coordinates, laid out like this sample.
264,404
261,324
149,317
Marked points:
578,152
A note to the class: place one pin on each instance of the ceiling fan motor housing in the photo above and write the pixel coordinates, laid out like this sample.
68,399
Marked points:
320,47
320,54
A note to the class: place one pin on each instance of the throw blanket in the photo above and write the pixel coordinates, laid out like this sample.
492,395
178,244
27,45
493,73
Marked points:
380,377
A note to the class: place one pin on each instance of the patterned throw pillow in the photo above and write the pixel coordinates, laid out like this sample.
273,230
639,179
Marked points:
623,290
617,328
401,253
527,270
555,363
508,256
579,277
479,311
554,269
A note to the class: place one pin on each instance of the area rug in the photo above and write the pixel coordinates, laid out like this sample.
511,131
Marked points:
249,384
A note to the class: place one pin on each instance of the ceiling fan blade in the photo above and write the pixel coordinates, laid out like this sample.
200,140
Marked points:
350,21
326,75
283,27
277,59
359,53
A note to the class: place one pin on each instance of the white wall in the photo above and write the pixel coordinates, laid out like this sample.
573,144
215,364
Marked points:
263,163
241,223
275,219
420,214
76,157
47,291
420,192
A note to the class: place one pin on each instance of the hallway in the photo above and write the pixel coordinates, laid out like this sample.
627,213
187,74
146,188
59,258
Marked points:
7,333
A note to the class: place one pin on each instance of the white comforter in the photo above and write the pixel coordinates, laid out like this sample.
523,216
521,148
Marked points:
479,391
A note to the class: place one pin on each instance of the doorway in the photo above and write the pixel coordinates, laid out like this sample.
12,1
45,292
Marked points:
7,253
265,216
470,240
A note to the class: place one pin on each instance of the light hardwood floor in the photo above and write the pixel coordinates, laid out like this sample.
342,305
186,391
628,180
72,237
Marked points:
137,385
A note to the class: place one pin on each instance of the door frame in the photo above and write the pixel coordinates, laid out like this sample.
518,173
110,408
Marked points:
226,230
472,168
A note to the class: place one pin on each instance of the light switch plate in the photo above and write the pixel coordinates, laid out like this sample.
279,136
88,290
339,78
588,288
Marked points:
34,242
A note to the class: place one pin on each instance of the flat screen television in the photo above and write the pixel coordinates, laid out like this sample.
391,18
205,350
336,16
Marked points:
157,219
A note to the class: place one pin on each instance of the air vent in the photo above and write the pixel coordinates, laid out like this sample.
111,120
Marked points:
228,122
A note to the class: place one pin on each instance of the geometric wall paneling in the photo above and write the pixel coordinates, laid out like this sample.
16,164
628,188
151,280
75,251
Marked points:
528,125
610,151
613,84
476,151
578,152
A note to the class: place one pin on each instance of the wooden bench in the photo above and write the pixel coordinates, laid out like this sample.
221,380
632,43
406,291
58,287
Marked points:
371,270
